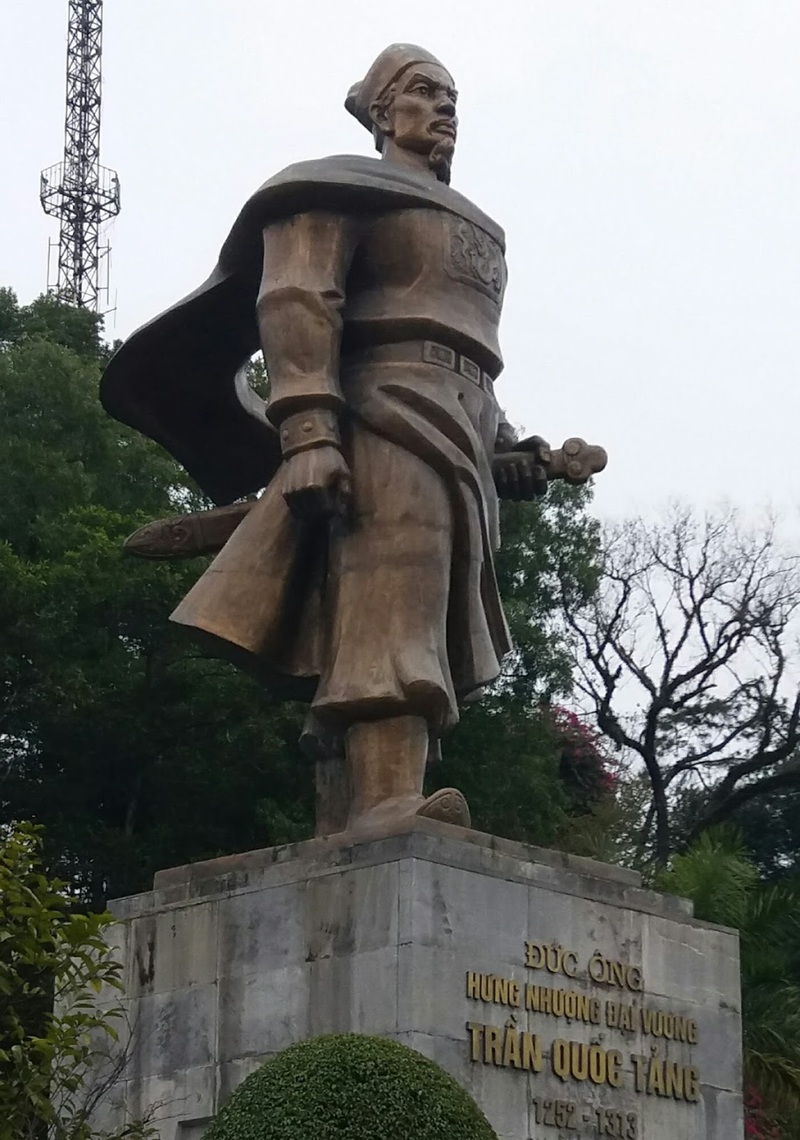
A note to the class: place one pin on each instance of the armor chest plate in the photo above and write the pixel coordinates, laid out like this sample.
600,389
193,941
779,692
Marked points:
430,274
474,258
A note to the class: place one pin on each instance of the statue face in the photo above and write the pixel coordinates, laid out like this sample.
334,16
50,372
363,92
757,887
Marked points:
422,113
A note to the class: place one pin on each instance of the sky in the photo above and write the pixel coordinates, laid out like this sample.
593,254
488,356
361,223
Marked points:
643,157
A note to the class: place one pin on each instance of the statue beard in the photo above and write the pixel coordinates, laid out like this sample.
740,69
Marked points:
440,159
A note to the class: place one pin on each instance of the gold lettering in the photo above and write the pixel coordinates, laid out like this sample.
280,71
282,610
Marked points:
582,1008
618,974
555,959
663,1023
606,972
655,1076
492,1045
501,991
532,998
639,1064
614,1065
476,1032
487,987
596,1010
513,993
673,1080
532,1052
511,1053
579,1060
473,985
612,1014
691,1084
598,968
534,955
598,1066
634,979
570,964
559,1052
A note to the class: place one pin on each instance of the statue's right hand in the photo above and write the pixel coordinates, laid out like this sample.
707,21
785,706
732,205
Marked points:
316,483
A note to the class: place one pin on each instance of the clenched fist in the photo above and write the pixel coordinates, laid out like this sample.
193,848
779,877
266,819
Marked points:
316,483
521,473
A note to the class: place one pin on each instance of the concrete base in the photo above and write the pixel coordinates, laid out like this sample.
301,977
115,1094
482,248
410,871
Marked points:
566,999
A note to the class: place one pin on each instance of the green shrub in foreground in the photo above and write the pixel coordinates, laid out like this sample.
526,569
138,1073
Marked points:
350,1087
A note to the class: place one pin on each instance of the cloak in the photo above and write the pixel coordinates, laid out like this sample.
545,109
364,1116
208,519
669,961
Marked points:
180,378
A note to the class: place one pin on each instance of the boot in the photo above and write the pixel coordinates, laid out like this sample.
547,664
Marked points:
386,764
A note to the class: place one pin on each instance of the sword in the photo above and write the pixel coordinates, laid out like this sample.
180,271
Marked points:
206,532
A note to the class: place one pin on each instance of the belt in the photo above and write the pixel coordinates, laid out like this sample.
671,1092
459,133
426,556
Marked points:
428,352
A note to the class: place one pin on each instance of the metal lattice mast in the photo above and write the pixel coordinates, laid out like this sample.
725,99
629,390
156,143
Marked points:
78,190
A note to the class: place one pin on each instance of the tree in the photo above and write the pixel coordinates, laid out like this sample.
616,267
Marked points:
54,1029
134,750
512,755
724,885
770,829
687,659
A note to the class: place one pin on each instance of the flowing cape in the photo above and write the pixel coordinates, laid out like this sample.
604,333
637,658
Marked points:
179,379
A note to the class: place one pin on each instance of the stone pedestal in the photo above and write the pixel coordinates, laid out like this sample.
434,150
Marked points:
566,999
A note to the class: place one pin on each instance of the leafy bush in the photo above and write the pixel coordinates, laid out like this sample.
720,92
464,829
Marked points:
350,1087
724,885
54,962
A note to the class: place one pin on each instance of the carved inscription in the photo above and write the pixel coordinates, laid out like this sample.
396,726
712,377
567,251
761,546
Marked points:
474,258
604,993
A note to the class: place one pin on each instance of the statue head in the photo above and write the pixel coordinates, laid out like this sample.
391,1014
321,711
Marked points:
408,101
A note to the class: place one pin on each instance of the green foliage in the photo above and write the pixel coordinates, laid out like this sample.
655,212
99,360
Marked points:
770,829
57,1009
550,551
506,755
718,878
49,319
610,831
350,1087
725,887
59,453
134,750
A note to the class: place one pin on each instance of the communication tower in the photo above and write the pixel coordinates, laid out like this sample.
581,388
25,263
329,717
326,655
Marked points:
78,190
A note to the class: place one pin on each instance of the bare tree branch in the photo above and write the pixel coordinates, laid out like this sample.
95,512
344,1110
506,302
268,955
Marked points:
688,659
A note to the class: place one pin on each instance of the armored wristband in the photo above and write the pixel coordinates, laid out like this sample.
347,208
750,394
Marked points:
304,430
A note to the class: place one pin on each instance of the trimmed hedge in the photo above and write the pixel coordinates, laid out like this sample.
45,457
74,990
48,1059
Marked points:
350,1087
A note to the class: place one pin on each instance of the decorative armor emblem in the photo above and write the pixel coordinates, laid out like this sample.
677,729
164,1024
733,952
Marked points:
473,257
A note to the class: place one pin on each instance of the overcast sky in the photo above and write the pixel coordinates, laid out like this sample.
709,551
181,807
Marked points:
643,157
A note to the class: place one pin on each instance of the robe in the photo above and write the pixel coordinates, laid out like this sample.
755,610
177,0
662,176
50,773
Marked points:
376,292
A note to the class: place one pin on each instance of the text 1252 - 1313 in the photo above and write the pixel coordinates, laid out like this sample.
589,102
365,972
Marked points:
567,1116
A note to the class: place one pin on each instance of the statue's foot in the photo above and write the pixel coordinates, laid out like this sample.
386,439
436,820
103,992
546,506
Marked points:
387,813
447,805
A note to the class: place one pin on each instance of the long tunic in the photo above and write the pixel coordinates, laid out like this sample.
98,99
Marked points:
390,318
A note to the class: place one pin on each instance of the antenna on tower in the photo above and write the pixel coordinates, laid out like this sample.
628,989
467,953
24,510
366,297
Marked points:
78,190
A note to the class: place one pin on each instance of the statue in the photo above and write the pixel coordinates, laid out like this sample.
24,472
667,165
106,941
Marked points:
361,578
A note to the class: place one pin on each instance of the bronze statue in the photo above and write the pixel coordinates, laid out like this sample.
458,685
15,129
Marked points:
362,577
